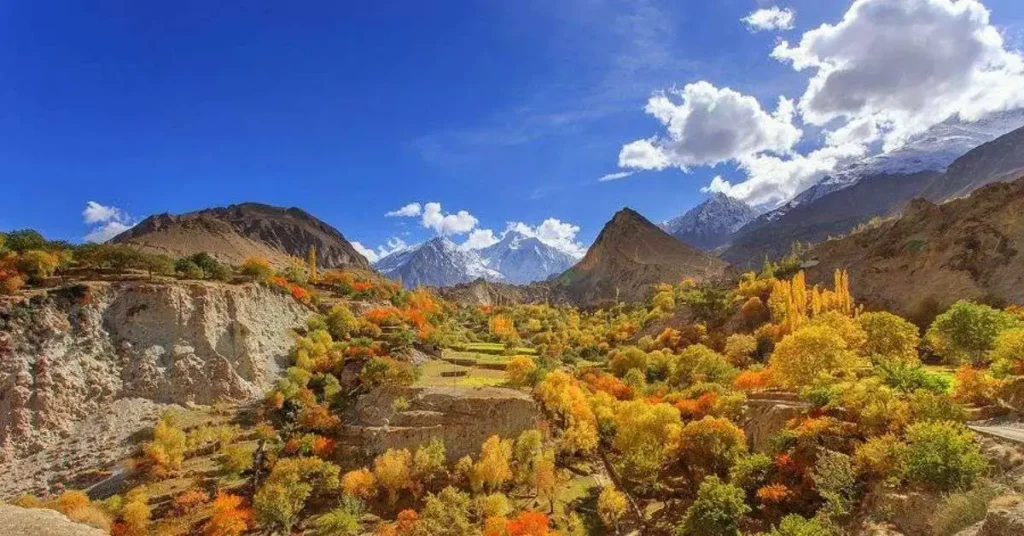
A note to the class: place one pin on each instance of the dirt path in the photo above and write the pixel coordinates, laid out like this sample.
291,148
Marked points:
1012,432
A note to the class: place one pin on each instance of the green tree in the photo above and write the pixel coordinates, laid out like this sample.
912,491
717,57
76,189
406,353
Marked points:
716,511
889,337
809,351
967,331
943,456
795,525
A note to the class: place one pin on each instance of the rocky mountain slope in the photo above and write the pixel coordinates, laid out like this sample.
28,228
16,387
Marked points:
113,353
233,233
522,259
629,255
438,262
483,292
932,255
839,211
711,223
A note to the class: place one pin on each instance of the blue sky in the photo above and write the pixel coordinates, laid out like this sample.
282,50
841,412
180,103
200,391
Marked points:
508,110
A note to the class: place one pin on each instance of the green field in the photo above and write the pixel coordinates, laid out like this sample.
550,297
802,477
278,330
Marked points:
432,376
493,348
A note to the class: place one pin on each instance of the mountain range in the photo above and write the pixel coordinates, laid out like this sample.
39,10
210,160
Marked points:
711,223
439,262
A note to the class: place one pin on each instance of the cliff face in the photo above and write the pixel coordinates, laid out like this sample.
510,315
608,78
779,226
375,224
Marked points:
79,353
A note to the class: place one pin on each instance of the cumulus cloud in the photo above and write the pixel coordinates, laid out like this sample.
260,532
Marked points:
615,176
892,68
479,239
772,18
447,224
707,125
106,222
556,233
394,244
408,211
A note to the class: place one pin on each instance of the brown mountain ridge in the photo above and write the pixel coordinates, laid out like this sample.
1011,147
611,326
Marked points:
236,232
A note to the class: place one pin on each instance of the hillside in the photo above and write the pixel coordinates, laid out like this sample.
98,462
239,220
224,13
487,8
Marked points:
234,233
936,254
629,255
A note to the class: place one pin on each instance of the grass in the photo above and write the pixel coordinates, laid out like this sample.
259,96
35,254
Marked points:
494,348
946,371
432,371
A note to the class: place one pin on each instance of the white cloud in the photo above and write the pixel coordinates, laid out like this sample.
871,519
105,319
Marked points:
106,231
615,176
772,180
893,68
479,239
97,213
106,222
447,224
365,252
408,211
555,233
772,18
709,126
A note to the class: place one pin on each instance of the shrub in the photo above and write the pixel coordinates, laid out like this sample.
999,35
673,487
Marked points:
943,456
751,472
166,452
520,371
974,386
795,525
257,269
611,506
359,483
882,457
710,446
229,517
1008,353
740,348
961,510
716,511
393,471
235,459
342,521
698,363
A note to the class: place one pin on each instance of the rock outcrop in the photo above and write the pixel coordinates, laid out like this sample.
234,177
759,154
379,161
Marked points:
1005,517
16,521
463,417
72,353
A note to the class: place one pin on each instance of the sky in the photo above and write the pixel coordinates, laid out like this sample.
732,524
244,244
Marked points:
399,121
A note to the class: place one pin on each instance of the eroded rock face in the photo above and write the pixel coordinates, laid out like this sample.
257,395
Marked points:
71,354
1005,518
463,417
765,417
15,521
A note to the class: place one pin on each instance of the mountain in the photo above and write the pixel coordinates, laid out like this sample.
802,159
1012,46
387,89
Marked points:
711,223
933,255
832,215
237,232
931,150
629,255
438,263
524,259
880,195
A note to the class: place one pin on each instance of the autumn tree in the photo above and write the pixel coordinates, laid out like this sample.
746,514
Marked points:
393,470
289,485
889,337
640,434
520,370
1008,353
611,506
359,483
166,452
800,357
943,456
493,468
257,269
229,516
709,446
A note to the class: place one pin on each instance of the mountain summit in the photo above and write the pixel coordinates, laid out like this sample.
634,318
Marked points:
236,232
629,255
524,259
711,223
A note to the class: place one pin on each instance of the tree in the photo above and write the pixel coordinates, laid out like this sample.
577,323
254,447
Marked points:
493,468
640,434
288,486
967,331
622,361
1008,353
716,512
528,524
393,470
889,337
943,456
257,269
709,446
520,370
230,516
446,514
740,348
166,452
611,506
188,269
698,363
37,264
795,525
801,356
428,462
342,521
359,483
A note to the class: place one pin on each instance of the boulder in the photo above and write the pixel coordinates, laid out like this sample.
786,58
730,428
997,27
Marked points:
16,521
764,417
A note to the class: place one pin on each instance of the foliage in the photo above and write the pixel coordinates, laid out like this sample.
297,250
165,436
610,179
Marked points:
290,484
393,470
800,357
257,268
640,434
974,386
943,456
716,511
520,371
493,468
341,521
1008,353
709,446
889,337
166,452
961,510
967,332
795,525
611,506
882,457
230,516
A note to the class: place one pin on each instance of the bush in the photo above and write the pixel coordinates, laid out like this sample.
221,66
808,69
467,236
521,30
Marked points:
943,456
961,510
975,386
795,525
906,377
716,511
1008,353
257,269
342,521
882,457
611,506
520,371
800,357
752,472
889,337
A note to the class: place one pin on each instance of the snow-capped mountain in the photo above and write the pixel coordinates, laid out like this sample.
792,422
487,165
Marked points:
523,259
932,150
437,262
711,223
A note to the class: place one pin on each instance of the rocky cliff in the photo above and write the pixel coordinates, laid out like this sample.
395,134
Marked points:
112,353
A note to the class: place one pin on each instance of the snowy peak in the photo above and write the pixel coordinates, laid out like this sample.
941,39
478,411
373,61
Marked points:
436,262
523,259
711,223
